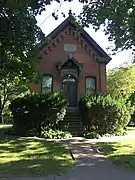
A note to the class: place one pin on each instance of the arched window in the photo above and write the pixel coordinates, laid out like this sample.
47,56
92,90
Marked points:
47,84
90,84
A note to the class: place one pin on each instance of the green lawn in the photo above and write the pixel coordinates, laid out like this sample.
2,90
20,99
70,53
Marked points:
5,126
122,152
33,157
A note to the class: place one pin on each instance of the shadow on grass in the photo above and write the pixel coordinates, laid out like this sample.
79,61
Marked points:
115,152
34,167
33,157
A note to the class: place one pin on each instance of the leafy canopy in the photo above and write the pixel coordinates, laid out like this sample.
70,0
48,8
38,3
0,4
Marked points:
18,36
118,18
122,80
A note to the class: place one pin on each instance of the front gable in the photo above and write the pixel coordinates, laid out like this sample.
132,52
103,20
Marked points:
83,38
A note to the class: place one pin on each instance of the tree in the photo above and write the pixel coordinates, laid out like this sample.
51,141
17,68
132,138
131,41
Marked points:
121,80
118,18
15,82
10,89
19,36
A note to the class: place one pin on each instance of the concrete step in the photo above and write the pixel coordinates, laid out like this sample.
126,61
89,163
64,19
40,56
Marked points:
73,111
76,119
72,121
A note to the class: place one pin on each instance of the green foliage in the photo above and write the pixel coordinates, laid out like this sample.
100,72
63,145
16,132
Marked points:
10,89
55,134
121,132
104,114
132,100
117,17
33,112
121,79
19,35
92,135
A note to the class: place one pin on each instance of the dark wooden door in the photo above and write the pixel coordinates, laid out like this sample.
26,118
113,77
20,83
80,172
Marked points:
69,87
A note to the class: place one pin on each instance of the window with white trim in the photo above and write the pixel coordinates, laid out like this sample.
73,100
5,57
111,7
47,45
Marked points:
90,84
47,83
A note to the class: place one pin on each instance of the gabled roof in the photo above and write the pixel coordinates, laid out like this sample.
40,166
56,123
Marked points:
104,57
72,60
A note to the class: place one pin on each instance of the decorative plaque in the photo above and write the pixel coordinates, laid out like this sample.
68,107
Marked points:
69,48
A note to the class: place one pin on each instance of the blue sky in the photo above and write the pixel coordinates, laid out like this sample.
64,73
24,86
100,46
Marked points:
48,24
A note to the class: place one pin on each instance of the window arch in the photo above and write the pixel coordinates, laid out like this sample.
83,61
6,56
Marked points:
47,83
90,84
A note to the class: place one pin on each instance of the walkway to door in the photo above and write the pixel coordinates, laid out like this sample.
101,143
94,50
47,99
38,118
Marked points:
90,165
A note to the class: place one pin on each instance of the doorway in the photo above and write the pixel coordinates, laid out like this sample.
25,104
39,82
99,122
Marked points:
69,88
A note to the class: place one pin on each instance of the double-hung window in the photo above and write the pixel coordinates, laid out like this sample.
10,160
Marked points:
47,84
90,84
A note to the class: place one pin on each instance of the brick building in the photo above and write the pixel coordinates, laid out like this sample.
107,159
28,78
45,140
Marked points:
73,63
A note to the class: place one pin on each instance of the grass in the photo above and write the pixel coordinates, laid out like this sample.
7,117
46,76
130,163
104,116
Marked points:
122,152
28,157
5,126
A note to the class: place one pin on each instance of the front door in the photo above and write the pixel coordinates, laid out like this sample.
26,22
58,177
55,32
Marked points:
69,87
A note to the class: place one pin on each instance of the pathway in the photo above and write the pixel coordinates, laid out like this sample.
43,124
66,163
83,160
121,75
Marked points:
90,165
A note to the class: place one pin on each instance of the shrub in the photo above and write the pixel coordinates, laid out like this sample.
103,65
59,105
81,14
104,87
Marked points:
92,135
104,114
36,111
55,134
132,100
10,131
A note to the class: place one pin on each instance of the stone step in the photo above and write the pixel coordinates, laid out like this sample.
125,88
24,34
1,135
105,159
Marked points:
72,121
73,111
71,125
72,108
72,115
76,132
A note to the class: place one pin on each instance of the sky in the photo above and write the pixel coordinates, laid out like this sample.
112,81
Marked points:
47,23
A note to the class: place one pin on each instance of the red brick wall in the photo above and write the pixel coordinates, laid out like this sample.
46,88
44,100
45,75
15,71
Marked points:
54,54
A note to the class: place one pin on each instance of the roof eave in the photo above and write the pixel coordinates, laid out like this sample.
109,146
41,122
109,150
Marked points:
88,38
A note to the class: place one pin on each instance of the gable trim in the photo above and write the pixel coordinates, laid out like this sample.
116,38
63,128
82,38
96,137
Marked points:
102,57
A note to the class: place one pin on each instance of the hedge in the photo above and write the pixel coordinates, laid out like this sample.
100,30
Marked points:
104,114
33,112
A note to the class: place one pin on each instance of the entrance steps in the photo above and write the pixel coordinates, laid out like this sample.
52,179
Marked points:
72,121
